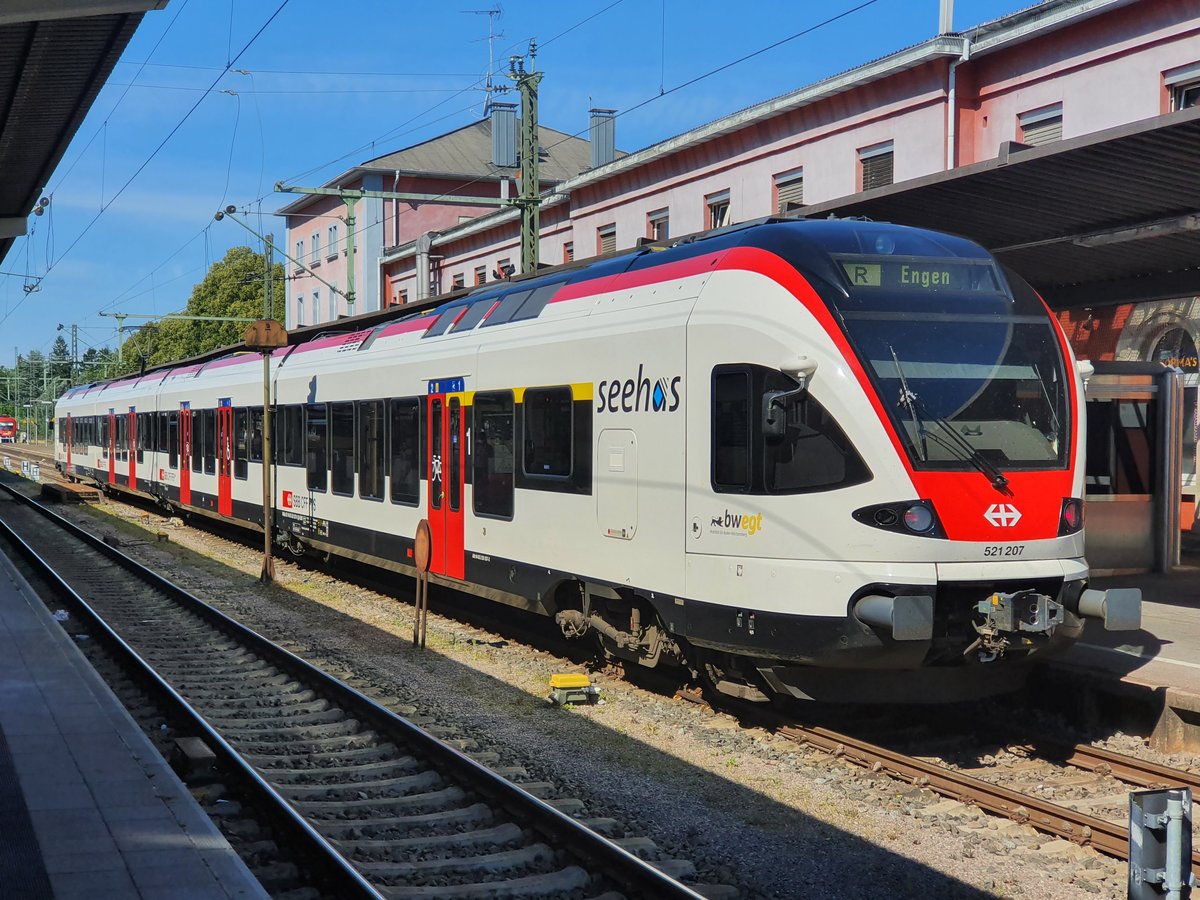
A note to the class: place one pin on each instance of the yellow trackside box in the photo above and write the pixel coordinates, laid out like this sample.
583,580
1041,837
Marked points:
572,688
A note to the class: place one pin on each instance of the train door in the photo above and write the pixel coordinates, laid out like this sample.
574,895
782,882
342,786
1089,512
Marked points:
224,457
185,455
131,447
112,446
445,428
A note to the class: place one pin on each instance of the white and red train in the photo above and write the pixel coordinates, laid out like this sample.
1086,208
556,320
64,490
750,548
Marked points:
8,430
835,459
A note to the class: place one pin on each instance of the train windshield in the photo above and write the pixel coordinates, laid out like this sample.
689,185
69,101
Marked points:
965,359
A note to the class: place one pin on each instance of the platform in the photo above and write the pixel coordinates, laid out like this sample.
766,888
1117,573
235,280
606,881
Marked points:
1159,666
88,807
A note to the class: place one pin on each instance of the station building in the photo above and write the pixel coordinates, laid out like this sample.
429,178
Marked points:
1064,138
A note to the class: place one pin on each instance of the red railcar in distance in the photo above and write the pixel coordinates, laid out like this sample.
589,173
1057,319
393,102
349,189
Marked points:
8,430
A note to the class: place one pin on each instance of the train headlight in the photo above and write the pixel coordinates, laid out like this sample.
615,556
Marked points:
911,517
1071,519
918,518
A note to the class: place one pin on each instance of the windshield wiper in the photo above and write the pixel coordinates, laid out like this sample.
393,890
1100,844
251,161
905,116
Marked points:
958,445
909,400
967,451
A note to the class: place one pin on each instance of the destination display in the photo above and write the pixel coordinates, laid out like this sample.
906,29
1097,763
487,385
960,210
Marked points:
908,274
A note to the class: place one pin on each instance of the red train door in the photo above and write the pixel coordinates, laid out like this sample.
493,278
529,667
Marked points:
224,458
445,428
132,442
112,447
185,456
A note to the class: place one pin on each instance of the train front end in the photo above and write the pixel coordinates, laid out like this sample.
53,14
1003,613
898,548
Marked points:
962,553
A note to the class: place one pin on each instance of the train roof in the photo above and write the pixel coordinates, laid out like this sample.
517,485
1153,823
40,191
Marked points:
807,244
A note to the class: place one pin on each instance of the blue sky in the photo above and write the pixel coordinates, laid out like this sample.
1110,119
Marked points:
323,86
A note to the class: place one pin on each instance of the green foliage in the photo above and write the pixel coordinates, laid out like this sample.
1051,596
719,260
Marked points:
232,287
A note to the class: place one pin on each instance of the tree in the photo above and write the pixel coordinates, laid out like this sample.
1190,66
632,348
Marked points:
233,287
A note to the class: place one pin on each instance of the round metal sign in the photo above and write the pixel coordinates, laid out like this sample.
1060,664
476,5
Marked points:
423,546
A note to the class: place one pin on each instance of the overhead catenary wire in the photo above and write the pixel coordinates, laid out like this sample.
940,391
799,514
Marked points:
663,93
87,228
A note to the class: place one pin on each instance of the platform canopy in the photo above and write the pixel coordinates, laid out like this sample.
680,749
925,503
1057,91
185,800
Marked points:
1105,218
55,55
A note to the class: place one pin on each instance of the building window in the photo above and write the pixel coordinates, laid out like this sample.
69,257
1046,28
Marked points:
331,247
658,225
1184,86
606,238
492,479
460,281
1186,96
569,252
481,275
300,310
718,209
789,192
548,431
1041,126
504,269
316,308
876,166
401,297
316,249
406,446
299,256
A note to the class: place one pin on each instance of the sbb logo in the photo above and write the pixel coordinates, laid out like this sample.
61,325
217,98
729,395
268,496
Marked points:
287,499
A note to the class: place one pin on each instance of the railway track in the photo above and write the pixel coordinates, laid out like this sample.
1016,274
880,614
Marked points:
380,806
1049,763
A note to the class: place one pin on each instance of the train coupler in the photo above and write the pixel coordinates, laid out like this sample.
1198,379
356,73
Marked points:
1013,620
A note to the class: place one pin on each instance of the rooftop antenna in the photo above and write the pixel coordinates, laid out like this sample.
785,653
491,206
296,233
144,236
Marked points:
492,13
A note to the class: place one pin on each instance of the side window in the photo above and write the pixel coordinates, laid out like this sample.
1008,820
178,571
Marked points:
547,441
256,434
370,449
316,451
196,444
813,453
173,440
808,451
164,431
406,447
210,441
292,433
240,445
341,447
492,436
731,430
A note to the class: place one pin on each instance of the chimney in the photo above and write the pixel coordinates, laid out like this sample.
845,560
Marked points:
946,17
504,135
602,133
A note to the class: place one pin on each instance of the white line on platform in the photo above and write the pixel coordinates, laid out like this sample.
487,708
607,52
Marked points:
1141,655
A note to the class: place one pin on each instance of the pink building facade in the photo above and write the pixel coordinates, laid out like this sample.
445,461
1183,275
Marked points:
1059,70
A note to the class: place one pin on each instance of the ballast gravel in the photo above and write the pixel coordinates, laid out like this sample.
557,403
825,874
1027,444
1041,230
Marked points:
747,808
